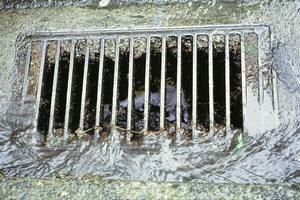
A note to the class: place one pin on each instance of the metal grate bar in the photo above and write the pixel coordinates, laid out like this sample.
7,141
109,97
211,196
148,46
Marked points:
40,81
260,74
130,83
260,82
210,82
69,90
163,83
84,84
53,96
161,31
178,90
99,88
194,106
227,83
147,79
244,86
27,66
115,85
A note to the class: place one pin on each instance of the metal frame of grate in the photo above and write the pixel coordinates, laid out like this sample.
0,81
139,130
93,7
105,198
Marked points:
262,32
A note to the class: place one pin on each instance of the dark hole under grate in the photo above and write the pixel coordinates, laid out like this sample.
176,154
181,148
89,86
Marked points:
139,86
185,81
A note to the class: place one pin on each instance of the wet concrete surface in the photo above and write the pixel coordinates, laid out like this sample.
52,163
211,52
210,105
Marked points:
96,188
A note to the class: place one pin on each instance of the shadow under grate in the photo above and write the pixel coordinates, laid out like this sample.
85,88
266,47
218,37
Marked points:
188,80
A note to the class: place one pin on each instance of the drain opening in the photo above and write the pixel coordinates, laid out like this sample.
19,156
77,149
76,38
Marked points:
139,84
143,83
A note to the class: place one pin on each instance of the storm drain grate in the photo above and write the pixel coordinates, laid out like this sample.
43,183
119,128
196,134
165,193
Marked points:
192,78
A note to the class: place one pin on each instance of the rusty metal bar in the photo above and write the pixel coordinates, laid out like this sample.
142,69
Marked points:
84,85
138,32
69,90
178,90
244,86
27,66
147,84
194,106
210,82
227,83
99,89
260,81
130,83
54,86
163,82
40,81
115,84
260,74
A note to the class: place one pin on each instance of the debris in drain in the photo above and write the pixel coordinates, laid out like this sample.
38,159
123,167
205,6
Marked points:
141,85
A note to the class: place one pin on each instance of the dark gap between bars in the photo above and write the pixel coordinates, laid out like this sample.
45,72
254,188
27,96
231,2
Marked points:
92,83
62,82
155,75
219,79
107,91
236,104
123,87
138,87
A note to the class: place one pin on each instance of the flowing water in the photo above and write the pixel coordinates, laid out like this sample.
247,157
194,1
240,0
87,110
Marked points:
272,158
